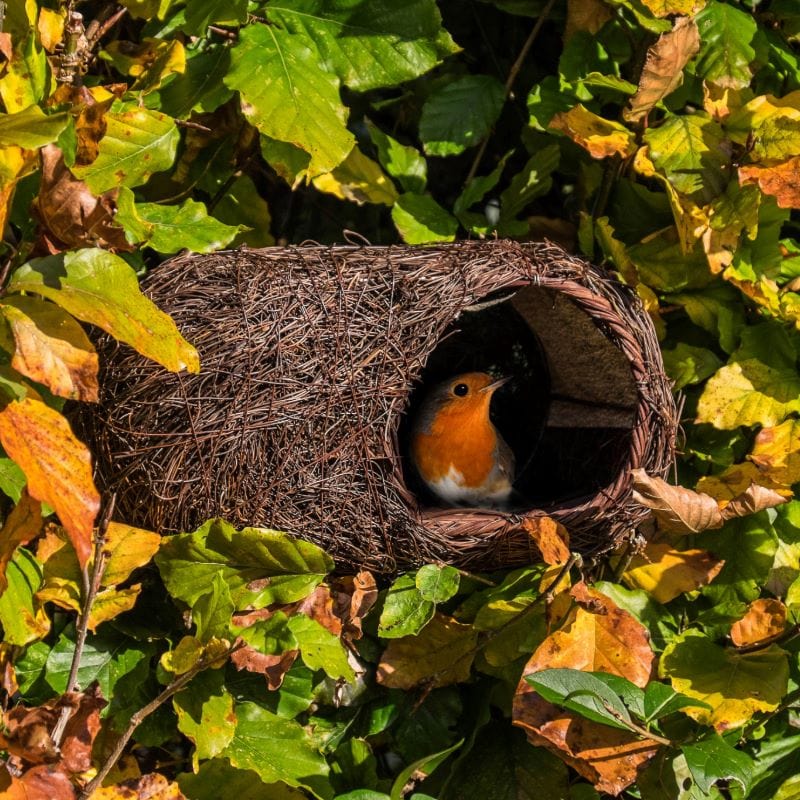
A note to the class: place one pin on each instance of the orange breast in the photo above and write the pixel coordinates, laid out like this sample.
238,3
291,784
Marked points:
462,438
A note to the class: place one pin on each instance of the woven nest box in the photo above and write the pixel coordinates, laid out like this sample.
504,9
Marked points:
313,358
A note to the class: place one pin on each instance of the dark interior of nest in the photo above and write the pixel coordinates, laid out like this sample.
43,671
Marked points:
569,408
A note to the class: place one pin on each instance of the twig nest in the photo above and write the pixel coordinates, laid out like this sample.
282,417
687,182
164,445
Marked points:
311,356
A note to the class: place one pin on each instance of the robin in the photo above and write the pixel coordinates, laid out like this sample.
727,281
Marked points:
456,449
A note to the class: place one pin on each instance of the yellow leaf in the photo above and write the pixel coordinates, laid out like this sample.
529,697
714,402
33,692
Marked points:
748,393
149,60
15,162
550,537
765,618
439,655
152,786
735,480
585,15
666,8
776,178
770,124
51,348
776,452
57,466
765,292
110,602
359,179
63,592
601,137
735,685
50,26
21,525
663,68
128,548
190,652
665,573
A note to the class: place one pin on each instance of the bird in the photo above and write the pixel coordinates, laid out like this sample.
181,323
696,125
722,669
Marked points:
455,447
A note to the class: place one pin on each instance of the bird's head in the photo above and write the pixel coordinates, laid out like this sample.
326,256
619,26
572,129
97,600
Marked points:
468,393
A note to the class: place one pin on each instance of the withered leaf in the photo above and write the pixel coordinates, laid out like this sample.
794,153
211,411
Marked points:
676,509
551,538
71,214
754,499
663,68
665,573
45,782
152,786
765,618
21,525
776,178
599,136
56,464
585,15
596,636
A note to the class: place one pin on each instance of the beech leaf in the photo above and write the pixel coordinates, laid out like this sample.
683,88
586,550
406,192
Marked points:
765,618
20,526
599,136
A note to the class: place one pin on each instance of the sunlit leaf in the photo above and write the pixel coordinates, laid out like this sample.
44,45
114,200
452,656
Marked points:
21,614
358,179
420,220
765,618
31,128
403,162
599,136
726,52
20,526
778,179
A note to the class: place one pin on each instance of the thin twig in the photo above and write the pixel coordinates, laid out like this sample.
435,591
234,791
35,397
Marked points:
473,577
91,585
145,711
99,27
631,725
512,76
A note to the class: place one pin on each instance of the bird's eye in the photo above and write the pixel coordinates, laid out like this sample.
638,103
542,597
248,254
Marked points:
460,390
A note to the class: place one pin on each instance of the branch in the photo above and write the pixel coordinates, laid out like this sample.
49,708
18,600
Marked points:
91,585
635,728
145,711
512,76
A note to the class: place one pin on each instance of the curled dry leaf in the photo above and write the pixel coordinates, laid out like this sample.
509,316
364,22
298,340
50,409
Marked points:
21,525
776,178
663,68
665,573
550,537
752,500
71,214
57,466
765,618
596,636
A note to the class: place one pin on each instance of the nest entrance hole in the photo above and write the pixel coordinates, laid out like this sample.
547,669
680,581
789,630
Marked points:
568,412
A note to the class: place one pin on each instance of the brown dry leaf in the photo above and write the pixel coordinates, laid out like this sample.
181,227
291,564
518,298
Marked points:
40,783
585,15
148,787
51,347
764,619
439,655
596,636
551,539
676,509
777,178
272,667
72,216
353,597
319,606
754,499
663,68
8,677
21,525
58,466
600,137
82,728
665,573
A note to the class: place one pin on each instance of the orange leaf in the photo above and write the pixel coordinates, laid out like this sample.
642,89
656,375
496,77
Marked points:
601,137
677,509
57,466
764,619
148,787
665,573
776,452
21,525
596,636
551,538
777,178
51,347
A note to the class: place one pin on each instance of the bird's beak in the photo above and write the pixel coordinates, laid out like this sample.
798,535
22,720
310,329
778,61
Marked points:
496,385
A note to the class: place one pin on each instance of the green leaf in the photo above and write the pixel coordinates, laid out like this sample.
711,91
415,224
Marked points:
424,766
277,749
421,220
25,78
100,288
319,648
12,479
270,636
105,658
137,143
289,96
369,43
726,49
533,181
206,714
31,128
713,759
583,693
403,162
436,583
21,614
259,566
200,87
661,700
691,151
460,114
717,309
202,13
405,611
551,96
243,206
243,784
687,364
168,228
213,610
735,685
